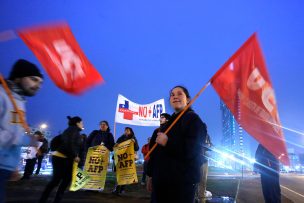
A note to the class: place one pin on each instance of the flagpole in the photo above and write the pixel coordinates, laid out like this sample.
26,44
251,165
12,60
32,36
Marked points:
180,115
114,130
9,94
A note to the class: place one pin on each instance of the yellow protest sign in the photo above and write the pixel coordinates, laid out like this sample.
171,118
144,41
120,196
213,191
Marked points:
79,178
96,166
124,156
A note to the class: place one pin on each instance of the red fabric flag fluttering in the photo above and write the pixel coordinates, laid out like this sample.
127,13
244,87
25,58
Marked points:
59,53
244,85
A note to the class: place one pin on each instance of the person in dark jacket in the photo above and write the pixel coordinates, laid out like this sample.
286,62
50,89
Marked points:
83,149
144,151
101,136
42,151
128,135
30,163
63,159
164,118
174,165
268,166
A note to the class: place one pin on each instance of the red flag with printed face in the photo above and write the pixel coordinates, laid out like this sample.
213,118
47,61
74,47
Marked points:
244,85
59,53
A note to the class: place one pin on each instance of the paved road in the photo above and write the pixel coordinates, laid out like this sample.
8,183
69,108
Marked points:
292,186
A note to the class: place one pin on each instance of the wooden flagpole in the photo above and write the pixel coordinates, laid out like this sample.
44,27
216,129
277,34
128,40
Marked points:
180,115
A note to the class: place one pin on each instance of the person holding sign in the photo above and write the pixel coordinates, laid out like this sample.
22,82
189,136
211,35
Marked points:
128,135
174,166
101,136
63,159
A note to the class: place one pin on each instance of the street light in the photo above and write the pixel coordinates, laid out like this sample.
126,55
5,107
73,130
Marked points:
43,126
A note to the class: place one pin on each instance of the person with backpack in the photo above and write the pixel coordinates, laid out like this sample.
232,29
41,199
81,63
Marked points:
63,159
55,143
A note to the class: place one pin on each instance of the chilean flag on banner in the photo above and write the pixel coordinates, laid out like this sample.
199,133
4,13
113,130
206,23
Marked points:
59,53
244,85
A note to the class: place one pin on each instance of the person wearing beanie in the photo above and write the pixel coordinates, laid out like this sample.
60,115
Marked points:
63,158
25,79
23,68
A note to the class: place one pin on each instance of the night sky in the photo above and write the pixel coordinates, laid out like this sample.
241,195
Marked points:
144,48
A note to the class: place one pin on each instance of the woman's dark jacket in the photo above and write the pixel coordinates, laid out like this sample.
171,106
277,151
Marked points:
180,160
71,142
125,138
97,137
266,162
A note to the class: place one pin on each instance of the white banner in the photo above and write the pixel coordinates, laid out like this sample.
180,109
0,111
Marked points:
128,112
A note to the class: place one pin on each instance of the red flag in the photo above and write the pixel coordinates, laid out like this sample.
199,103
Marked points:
244,85
59,53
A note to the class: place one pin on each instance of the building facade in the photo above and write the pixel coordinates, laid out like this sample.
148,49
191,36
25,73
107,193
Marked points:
234,140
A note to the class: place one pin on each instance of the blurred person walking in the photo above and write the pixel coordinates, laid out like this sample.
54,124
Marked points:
63,159
24,80
39,154
42,151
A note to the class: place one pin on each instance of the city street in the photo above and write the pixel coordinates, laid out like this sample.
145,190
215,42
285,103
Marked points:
222,186
292,187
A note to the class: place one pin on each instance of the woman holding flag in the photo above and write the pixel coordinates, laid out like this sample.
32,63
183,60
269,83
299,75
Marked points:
174,168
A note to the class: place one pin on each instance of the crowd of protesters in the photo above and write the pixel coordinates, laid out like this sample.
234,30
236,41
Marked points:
172,172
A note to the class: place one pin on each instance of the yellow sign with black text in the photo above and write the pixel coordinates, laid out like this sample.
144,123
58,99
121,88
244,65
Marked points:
79,178
96,166
124,156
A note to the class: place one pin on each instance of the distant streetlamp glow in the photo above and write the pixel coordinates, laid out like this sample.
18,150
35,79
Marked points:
43,126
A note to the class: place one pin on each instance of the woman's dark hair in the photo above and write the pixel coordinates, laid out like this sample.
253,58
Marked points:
106,122
185,90
73,120
131,130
